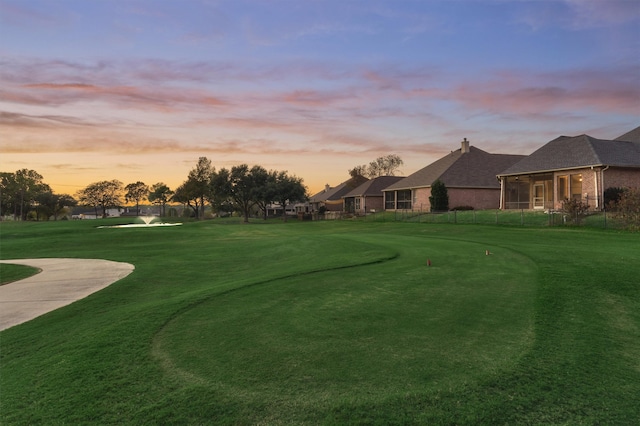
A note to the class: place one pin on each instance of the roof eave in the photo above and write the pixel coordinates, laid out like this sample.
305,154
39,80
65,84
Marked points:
532,172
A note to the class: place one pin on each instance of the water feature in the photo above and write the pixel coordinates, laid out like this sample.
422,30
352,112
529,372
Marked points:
146,223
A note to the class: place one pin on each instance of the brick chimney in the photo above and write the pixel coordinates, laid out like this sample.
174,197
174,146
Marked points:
465,146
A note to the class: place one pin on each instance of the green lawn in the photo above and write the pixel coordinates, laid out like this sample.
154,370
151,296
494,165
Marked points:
10,273
332,323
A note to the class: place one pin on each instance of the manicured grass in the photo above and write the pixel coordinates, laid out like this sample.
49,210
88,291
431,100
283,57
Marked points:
10,273
332,323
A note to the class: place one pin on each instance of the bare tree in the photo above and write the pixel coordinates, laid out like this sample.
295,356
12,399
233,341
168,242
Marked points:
382,166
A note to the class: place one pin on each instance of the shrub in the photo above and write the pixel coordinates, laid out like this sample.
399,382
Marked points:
612,197
439,198
461,208
627,209
575,209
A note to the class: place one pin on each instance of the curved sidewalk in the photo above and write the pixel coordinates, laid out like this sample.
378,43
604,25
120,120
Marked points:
60,283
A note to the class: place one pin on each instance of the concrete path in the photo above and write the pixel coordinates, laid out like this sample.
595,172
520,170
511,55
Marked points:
60,282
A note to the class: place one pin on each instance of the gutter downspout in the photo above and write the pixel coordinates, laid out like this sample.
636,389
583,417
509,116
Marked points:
602,186
595,181
501,193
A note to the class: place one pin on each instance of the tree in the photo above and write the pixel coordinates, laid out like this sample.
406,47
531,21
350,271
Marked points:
18,191
243,184
199,179
265,189
439,198
220,191
103,194
382,166
187,196
288,189
50,204
136,192
160,194
358,171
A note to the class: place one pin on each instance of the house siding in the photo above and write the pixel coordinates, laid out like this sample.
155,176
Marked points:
478,198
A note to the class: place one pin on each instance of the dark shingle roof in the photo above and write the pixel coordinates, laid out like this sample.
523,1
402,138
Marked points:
578,151
336,193
373,187
632,136
473,169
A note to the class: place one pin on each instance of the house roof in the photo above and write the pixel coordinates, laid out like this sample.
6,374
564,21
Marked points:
632,136
373,187
336,193
473,169
567,152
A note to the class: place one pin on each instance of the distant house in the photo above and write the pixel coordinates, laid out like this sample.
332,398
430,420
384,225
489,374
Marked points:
331,198
578,167
368,197
469,174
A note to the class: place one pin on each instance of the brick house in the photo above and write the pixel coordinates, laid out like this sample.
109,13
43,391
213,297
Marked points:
579,167
469,174
368,197
331,197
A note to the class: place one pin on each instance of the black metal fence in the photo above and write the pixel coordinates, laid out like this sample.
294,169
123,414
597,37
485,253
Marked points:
595,219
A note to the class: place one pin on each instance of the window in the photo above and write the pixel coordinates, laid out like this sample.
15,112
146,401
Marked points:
404,199
389,200
357,203
563,189
576,187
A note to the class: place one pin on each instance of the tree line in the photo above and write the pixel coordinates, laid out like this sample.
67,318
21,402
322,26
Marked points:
24,194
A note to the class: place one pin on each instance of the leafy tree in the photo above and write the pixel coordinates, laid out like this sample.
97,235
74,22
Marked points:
220,191
103,194
160,194
50,204
243,184
135,192
288,189
188,196
18,191
439,198
358,171
265,188
199,180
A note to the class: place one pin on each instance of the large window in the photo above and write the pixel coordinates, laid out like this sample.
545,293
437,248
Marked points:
389,200
576,187
563,187
404,199
357,203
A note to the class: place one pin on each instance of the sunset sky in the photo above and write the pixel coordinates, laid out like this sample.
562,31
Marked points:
137,90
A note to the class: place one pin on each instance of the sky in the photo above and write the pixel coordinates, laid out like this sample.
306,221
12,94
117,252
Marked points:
138,90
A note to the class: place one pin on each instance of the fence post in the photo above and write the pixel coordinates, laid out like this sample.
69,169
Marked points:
496,217
522,217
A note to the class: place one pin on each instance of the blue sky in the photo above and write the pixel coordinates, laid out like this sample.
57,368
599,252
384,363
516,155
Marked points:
138,90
